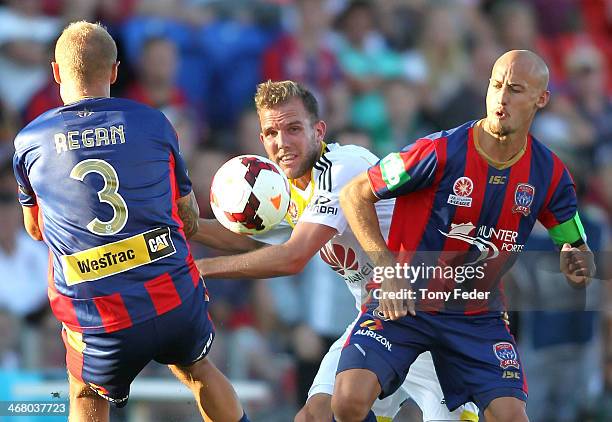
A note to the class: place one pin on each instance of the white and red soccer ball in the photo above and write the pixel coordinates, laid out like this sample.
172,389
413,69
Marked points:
249,194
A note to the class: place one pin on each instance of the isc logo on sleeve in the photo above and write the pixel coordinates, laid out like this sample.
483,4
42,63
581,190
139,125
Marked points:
117,257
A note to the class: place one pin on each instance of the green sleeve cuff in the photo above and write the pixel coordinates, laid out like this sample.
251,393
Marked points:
570,231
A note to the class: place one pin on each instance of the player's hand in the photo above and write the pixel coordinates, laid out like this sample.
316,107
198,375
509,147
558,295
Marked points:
578,265
395,302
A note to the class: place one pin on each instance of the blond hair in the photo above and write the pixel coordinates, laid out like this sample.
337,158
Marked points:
270,94
85,52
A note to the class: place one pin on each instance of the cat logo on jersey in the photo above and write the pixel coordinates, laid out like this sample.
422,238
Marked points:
523,198
158,242
116,257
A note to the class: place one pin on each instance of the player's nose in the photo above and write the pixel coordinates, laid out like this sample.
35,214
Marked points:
503,95
281,140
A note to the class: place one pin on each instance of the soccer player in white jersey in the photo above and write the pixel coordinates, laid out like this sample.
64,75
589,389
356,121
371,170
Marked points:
293,136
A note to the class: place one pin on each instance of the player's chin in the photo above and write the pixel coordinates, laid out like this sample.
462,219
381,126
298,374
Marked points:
294,170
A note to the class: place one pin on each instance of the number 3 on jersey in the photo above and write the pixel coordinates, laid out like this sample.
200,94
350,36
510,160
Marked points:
109,194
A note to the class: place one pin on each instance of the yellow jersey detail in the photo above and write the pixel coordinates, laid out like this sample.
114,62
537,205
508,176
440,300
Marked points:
117,257
468,416
297,203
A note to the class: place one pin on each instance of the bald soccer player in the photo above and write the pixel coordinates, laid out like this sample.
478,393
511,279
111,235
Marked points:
466,201
102,182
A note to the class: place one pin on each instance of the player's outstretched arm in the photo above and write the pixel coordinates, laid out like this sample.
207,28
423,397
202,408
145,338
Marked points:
357,201
577,263
212,234
30,221
271,261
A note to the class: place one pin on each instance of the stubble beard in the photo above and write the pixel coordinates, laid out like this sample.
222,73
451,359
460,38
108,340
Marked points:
500,131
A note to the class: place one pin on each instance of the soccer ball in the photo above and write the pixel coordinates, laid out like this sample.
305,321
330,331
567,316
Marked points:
249,194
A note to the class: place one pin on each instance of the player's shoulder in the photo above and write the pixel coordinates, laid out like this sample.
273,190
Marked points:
351,155
43,123
340,163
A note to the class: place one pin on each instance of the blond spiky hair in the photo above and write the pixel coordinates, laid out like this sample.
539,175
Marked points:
85,52
270,94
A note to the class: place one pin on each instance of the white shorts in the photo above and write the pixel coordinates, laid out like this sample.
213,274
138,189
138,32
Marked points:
421,385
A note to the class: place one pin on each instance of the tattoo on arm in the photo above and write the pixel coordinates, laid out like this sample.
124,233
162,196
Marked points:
189,213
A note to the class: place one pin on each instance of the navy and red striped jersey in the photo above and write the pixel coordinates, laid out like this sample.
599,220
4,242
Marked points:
455,209
106,174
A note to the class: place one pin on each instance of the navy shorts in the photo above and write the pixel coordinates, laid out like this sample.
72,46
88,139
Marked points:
475,356
109,362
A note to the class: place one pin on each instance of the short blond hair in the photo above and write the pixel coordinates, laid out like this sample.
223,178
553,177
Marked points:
86,52
270,94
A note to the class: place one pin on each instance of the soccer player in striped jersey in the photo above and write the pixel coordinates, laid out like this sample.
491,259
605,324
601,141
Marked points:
102,182
466,198
293,136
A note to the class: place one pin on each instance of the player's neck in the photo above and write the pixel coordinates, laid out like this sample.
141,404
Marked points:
499,151
303,182
71,94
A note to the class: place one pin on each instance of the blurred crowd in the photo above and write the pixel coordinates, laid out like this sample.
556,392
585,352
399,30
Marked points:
385,73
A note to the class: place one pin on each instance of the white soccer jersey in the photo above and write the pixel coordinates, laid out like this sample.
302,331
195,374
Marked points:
343,253
319,203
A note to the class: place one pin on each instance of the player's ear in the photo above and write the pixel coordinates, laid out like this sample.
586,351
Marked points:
114,72
321,129
543,100
56,72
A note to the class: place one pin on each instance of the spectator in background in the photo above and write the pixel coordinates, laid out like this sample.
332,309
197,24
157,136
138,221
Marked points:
587,75
559,325
155,82
112,12
247,134
470,97
44,99
155,85
8,129
441,47
23,264
25,36
202,167
303,54
405,118
350,135
367,62
9,341
516,25
600,192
